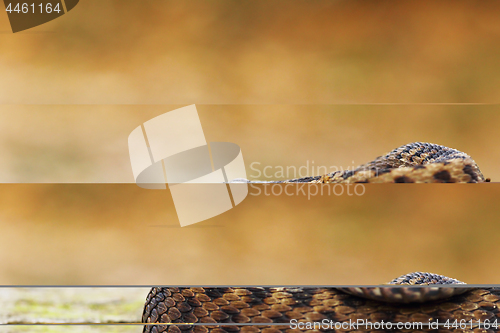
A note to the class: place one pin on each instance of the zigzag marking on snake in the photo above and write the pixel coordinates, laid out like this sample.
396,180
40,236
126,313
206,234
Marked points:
417,162
422,297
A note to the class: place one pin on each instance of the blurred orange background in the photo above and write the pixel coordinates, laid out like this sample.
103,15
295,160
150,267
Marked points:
88,143
121,234
291,83
259,51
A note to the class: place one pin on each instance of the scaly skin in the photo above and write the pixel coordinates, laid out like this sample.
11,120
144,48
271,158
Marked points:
417,162
312,304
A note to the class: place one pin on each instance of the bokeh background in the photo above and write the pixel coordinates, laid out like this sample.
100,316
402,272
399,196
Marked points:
334,82
89,143
123,235
258,51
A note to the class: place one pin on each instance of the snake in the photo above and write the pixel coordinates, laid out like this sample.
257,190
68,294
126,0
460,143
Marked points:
417,297
417,162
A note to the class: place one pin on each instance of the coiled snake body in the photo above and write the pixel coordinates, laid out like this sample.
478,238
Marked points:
249,309
414,297
417,162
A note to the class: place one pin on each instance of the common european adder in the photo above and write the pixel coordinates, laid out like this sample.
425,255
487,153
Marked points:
273,310
417,162
414,297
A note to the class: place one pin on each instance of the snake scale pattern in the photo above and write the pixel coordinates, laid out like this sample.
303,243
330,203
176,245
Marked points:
415,297
417,162
261,306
